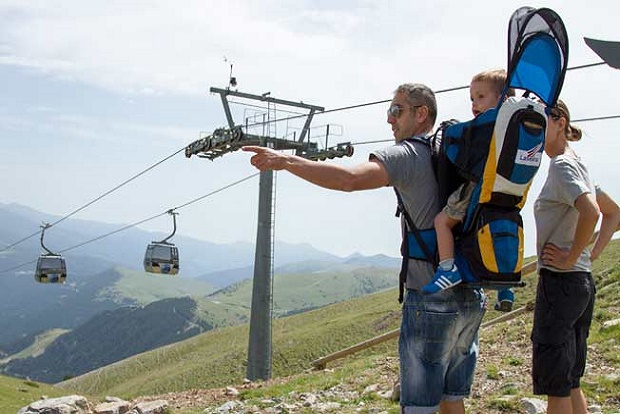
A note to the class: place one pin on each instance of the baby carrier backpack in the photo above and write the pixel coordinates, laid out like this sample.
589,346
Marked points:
500,151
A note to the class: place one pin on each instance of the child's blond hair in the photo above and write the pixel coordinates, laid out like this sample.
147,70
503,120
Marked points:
497,79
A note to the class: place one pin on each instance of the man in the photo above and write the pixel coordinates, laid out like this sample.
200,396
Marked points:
438,335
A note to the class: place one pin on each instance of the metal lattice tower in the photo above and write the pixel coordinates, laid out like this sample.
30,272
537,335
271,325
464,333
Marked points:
225,140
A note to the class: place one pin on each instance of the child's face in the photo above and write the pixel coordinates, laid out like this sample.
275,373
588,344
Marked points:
482,96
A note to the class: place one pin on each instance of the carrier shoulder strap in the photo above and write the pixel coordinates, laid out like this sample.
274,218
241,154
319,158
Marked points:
404,248
424,139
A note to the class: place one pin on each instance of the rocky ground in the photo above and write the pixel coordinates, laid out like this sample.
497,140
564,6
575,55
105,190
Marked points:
502,382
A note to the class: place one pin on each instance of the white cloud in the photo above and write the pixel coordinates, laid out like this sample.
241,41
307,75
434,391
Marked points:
327,53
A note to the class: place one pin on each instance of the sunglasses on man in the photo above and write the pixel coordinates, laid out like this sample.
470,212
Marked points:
396,109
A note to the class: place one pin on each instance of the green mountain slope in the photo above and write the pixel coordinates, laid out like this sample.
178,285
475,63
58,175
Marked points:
17,393
296,292
82,297
114,335
38,345
144,288
217,358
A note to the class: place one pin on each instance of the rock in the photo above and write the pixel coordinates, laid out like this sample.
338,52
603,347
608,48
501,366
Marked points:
373,388
595,409
385,394
227,407
152,407
113,407
609,324
396,391
328,406
231,391
72,404
113,399
534,405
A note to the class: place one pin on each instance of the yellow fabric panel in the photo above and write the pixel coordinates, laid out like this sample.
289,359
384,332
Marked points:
524,199
521,251
485,244
488,177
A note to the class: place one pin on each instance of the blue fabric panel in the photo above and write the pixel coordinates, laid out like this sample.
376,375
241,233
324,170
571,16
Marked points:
473,203
505,244
464,269
523,173
539,68
430,240
456,131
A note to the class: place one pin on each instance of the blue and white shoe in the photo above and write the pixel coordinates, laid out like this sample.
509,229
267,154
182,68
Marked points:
505,300
444,279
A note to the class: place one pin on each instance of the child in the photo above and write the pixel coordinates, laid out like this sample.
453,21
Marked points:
485,91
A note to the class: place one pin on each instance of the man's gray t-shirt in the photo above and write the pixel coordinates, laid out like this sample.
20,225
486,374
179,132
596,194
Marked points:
554,210
409,168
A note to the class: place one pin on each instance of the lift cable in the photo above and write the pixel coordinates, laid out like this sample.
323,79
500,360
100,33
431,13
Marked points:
117,187
598,118
344,108
20,241
94,200
262,107
141,221
437,92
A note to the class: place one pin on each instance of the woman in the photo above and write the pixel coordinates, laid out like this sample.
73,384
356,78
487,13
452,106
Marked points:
566,214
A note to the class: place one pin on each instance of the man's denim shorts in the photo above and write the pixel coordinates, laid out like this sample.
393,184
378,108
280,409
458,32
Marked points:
438,346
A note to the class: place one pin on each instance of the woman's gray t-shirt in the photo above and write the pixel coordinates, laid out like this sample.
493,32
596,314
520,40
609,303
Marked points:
554,210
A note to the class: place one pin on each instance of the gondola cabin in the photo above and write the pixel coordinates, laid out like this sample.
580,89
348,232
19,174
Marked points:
51,268
161,257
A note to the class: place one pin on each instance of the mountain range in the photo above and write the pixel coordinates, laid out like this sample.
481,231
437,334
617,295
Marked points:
110,308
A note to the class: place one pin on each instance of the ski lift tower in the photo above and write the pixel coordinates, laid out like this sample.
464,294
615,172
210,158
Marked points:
225,140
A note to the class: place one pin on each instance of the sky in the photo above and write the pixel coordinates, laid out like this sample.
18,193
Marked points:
95,92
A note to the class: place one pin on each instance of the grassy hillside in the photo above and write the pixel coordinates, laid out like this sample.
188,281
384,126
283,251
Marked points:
115,335
217,358
82,297
17,393
112,336
41,341
299,291
145,288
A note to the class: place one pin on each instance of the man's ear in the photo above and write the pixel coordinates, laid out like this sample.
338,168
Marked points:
422,113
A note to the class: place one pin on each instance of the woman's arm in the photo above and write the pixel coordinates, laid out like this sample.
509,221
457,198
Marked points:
609,224
565,259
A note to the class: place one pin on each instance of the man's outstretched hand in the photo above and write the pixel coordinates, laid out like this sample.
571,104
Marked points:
266,158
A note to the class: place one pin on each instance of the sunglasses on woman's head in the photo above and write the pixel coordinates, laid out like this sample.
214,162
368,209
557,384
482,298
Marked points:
555,114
